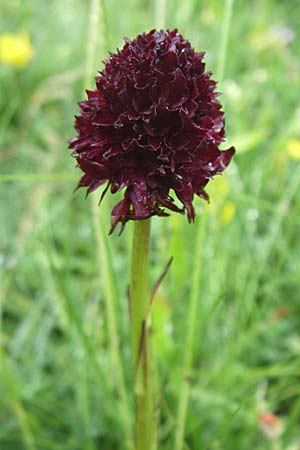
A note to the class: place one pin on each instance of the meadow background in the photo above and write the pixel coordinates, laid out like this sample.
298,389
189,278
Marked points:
231,299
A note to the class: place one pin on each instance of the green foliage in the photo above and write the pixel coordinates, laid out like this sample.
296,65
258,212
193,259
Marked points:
59,379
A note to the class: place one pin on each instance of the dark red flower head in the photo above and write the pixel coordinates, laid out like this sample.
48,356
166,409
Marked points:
153,124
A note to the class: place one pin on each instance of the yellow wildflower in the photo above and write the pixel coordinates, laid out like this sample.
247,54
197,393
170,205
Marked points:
228,212
293,149
15,49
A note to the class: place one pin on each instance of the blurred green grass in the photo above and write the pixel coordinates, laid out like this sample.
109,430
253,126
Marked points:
58,381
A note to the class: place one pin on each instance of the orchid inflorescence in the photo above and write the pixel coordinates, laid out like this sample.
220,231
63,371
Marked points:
153,125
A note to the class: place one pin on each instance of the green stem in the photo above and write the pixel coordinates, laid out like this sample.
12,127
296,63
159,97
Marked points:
192,322
105,262
92,45
224,39
98,21
145,427
195,291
